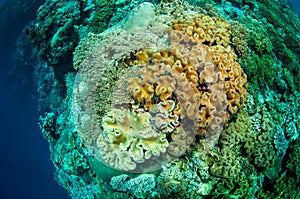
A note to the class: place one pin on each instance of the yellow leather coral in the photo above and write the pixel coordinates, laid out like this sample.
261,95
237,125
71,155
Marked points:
164,119
142,93
143,96
200,51
214,34
128,138
206,29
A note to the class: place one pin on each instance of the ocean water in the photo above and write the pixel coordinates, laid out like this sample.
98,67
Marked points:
26,170
296,6
25,167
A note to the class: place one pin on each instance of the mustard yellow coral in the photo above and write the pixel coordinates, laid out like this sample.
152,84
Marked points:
151,101
200,51
142,93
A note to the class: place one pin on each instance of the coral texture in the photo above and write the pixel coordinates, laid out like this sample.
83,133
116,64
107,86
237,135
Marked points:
140,187
211,69
128,138
169,92
184,82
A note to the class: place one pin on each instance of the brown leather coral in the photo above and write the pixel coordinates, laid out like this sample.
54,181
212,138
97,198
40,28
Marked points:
200,51
150,101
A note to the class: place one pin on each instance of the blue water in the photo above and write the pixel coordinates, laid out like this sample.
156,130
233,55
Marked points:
296,5
25,168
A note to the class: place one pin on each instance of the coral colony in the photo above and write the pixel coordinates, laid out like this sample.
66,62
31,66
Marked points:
171,99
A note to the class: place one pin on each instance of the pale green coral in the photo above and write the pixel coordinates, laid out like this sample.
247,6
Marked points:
129,138
242,187
170,181
227,164
142,186
258,145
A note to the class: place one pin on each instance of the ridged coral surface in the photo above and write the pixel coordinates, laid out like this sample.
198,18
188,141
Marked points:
194,70
202,96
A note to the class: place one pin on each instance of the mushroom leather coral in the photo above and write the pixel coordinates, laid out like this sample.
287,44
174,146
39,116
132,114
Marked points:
200,51
128,138
173,104
165,96
164,120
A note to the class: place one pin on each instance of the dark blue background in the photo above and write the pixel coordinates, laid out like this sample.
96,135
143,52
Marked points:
296,5
25,167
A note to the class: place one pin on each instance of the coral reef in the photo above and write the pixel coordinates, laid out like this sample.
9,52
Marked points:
201,88
202,96
62,24
55,36
293,160
73,171
219,76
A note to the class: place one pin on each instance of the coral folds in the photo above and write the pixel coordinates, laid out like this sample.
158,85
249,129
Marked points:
203,97
163,95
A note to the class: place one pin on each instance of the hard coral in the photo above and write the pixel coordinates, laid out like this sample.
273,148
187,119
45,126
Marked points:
170,181
141,187
55,36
